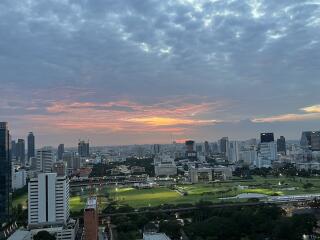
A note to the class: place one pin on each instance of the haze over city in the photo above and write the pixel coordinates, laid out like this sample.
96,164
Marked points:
132,72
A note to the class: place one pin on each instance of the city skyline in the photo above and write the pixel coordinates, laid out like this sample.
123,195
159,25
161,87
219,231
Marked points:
130,72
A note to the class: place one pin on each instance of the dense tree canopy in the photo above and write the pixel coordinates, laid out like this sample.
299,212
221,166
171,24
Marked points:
44,235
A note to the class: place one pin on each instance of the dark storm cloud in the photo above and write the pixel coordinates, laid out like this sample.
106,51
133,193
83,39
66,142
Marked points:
261,56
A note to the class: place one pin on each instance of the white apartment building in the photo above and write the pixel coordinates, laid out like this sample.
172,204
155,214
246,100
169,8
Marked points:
249,157
19,179
45,160
48,200
267,154
233,152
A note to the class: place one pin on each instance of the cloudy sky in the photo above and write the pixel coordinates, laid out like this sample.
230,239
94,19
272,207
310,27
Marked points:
147,71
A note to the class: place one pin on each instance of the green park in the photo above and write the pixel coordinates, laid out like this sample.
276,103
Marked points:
188,193
192,193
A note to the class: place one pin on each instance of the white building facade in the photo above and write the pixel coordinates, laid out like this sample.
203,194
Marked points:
45,160
48,200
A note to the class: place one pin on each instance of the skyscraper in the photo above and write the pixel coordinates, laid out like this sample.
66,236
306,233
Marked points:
60,151
13,150
315,141
21,151
305,141
233,152
281,145
266,137
5,173
267,150
310,140
156,149
83,149
206,148
224,144
191,154
48,200
31,146
44,160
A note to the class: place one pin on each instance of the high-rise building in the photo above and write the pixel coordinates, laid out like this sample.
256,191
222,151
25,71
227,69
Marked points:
73,161
91,220
191,153
5,173
45,160
305,141
156,149
48,200
83,149
215,148
249,156
224,144
315,141
206,148
60,151
21,151
13,150
233,152
31,146
60,168
281,145
310,140
267,154
266,137
19,179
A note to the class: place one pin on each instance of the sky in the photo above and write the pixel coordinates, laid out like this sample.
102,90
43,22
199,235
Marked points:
152,71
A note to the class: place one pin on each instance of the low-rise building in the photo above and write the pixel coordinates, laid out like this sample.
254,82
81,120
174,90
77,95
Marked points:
164,165
165,169
222,173
137,169
202,174
20,235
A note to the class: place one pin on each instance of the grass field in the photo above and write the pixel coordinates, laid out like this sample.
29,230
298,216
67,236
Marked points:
77,203
196,192
212,192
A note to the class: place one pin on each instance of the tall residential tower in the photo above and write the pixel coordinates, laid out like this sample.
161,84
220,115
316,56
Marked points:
5,173
31,146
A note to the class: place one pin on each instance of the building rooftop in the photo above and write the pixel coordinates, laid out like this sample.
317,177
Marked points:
155,236
91,203
19,235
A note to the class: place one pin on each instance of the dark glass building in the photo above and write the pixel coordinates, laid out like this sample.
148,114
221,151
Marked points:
224,144
83,149
310,140
31,146
266,137
5,173
281,145
305,141
60,151
190,153
13,149
315,141
21,151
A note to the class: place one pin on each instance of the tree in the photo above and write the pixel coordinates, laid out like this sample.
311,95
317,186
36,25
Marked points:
44,235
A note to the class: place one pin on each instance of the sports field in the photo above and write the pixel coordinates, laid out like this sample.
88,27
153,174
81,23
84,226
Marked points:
190,193
209,192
